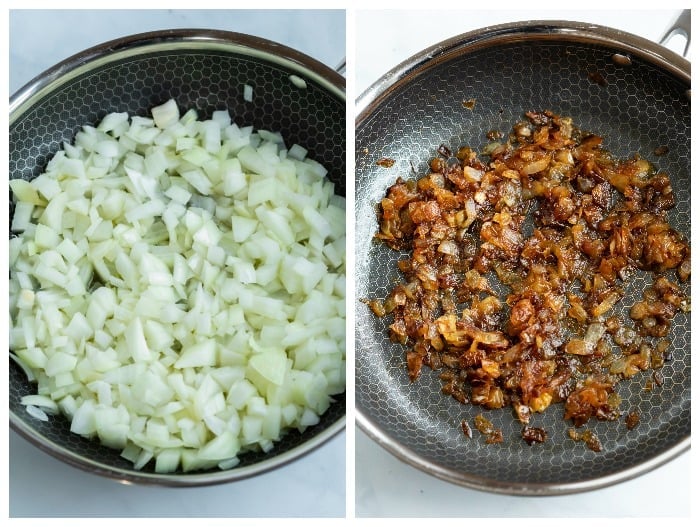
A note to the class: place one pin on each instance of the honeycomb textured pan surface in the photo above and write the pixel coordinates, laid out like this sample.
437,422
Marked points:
204,80
636,108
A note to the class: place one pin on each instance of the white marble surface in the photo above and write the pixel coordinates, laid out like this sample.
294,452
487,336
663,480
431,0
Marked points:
385,486
39,485
39,39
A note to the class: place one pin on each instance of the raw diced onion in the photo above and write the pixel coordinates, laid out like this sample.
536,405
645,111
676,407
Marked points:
298,81
177,288
37,413
247,93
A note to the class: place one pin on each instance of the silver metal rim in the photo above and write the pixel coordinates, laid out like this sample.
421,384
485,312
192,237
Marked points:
158,41
619,42
128,476
171,40
405,454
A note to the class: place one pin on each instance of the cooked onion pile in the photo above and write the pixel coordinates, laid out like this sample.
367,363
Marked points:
177,288
560,225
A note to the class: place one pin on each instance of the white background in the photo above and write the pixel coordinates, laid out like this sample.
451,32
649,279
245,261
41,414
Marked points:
39,485
384,485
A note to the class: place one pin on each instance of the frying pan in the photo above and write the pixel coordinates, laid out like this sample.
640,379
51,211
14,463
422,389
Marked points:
201,69
632,92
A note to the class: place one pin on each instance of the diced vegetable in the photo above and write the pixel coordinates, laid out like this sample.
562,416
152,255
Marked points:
177,288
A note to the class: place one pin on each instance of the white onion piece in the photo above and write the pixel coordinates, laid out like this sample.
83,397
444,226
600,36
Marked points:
165,115
37,413
247,93
177,288
298,81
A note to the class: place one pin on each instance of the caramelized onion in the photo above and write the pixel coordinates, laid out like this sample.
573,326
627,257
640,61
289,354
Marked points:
562,224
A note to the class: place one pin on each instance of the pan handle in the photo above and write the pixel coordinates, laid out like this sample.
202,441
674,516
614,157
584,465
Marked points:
681,26
340,68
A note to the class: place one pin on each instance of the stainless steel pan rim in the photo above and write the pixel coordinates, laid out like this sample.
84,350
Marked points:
619,42
217,41
171,40
556,30
127,476
415,460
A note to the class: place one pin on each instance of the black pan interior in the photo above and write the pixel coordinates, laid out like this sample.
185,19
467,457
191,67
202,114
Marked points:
636,108
205,80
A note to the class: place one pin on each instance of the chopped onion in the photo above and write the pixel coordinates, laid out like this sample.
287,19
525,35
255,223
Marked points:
594,333
298,81
472,173
37,413
247,93
177,288
534,167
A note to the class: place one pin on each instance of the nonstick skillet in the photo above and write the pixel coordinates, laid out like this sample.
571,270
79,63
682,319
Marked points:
201,69
632,92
